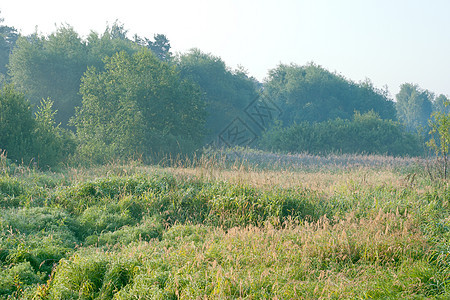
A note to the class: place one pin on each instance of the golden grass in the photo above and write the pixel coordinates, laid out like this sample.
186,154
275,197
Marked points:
326,182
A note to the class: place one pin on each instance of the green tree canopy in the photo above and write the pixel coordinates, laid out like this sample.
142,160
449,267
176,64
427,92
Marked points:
113,40
138,105
52,144
313,94
227,92
439,104
52,66
414,106
29,139
8,38
160,46
16,124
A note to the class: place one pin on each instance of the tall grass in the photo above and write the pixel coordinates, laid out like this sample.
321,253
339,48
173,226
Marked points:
216,228
365,258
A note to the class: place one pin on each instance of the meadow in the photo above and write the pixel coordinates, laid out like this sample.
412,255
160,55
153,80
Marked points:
235,225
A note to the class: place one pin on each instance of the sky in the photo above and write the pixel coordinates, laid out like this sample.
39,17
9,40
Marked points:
391,42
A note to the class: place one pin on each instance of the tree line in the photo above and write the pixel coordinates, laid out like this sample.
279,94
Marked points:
111,96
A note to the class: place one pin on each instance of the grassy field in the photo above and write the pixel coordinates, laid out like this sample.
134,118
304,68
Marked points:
236,226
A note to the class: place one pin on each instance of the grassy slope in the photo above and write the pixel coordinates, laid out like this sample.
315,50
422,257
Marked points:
217,231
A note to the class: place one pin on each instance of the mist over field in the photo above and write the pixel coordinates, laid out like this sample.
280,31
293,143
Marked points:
129,171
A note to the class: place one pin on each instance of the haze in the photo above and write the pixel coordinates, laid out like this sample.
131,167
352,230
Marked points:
390,42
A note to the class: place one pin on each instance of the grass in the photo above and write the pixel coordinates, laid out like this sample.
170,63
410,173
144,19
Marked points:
221,229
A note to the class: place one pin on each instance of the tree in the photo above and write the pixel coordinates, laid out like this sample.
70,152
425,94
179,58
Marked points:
413,106
29,139
137,106
117,31
160,46
52,144
440,138
8,38
227,92
16,124
52,66
313,94
113,40
439,104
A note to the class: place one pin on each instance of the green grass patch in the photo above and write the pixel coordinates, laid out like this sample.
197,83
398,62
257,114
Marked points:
169,234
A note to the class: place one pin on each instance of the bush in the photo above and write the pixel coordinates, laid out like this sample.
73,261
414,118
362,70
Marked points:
52,144
16,125
440,140
366,133
38,141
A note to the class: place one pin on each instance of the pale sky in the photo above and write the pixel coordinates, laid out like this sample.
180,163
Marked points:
389,41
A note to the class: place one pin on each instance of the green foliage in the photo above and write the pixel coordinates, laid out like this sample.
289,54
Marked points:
439,104
158,235
146,230
86,278
413,106
181,236
8,38
160,46
137,107
226,92
35,219
97,219
77,198
52,143
440,139
35,238
314,260
14,192
13,280
16,125
10,186
313,94
366,133
31,140
113,40
52,66
107,205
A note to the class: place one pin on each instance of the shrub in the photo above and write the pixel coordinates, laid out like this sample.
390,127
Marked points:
366,133
440,140
16,125
52,144
37,141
